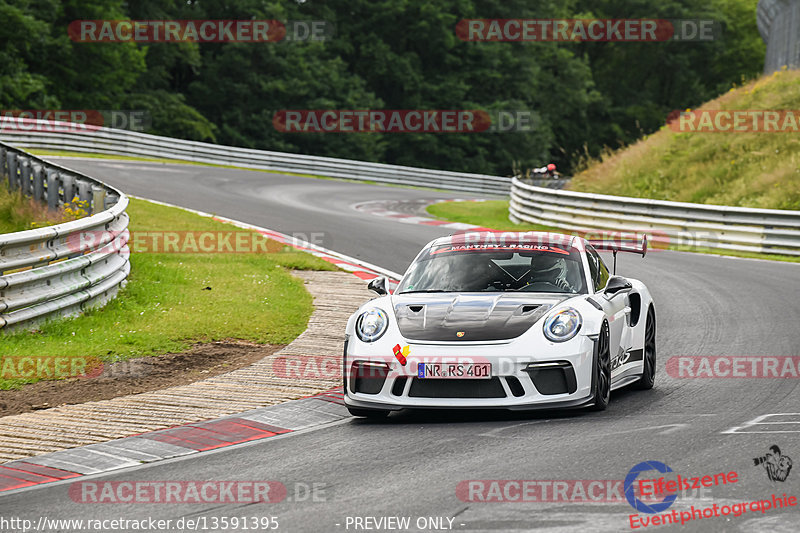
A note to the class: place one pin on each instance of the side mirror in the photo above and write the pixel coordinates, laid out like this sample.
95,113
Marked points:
617,285
378,286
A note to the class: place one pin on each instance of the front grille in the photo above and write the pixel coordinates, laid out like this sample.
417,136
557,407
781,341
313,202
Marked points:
456,388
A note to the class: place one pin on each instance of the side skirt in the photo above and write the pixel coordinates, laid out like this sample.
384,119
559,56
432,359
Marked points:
626,378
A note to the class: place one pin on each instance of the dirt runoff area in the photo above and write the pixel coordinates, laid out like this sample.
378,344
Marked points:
133,376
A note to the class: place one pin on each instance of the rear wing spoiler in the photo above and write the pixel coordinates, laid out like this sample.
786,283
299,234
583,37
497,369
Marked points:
622,245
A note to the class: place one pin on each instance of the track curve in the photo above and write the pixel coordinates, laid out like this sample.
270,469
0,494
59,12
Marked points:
412,464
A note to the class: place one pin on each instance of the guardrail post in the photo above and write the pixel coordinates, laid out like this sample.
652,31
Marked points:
13,171
85,193
98,197
25,175
3,168
38,182
13,177
68,185
53,184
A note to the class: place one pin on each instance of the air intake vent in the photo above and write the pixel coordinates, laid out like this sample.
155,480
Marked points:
399,385
515,386
456,388
367,377
553,377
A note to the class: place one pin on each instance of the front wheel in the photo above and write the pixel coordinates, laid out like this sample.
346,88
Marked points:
602,371
648,378
372,414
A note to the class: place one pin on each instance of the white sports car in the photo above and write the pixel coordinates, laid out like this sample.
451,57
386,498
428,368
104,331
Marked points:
501,320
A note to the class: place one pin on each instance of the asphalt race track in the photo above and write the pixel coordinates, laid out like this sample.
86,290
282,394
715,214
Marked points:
411,464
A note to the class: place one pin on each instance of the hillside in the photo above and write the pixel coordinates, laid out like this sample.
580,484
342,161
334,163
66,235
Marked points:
754,169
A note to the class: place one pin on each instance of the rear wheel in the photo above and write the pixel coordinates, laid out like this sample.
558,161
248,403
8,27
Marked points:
373,414
648,378
602,371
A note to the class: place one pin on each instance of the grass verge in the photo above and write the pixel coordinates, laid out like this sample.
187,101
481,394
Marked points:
166,306
20,213
488,214
494,214
750,169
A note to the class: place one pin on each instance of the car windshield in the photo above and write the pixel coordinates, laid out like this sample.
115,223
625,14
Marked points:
506,268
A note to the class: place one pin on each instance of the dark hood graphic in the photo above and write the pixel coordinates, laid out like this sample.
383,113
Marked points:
469,316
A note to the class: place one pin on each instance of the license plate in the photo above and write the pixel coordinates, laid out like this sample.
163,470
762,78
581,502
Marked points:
454,370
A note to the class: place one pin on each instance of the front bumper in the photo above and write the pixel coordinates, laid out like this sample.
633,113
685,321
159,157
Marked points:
562,404
561,379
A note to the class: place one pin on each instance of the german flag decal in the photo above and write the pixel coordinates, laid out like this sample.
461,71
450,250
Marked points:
401,353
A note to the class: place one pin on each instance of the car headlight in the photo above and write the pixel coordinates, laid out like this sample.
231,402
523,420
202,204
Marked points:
563,325
371,324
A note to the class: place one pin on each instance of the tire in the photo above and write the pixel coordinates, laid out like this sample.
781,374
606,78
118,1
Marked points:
372,414
601,368
648,378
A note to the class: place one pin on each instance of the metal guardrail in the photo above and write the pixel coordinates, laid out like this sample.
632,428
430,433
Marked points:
33,134
693,225
772,231
64,269
777,22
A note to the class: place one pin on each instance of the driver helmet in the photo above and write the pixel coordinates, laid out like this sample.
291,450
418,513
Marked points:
544,266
